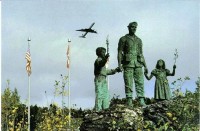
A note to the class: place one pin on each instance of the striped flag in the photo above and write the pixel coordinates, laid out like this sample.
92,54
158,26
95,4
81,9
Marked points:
28,63
68,58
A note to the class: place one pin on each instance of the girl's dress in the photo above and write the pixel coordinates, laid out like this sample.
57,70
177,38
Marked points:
162,90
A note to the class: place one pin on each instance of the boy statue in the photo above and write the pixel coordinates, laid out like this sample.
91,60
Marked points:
100,72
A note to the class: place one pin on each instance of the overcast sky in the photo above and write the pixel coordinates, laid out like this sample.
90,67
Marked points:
163,27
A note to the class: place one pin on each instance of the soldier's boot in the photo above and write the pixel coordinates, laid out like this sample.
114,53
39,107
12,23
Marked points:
129,102
141,101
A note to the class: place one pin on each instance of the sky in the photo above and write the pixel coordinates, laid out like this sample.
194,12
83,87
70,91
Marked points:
163,26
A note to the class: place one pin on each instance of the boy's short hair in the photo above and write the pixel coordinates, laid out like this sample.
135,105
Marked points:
99,49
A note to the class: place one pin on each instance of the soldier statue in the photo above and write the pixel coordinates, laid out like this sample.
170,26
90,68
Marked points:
131,61
100,72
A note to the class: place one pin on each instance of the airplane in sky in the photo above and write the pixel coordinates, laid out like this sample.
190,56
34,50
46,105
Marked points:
87,30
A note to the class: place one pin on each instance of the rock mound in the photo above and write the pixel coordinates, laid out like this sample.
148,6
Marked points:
117,117
181,113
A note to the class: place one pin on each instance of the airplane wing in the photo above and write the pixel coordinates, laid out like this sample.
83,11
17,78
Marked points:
91,25
84,35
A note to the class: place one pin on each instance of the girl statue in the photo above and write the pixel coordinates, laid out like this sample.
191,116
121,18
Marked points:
162,90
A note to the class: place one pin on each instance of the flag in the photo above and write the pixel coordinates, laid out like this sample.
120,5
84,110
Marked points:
28,63
68,58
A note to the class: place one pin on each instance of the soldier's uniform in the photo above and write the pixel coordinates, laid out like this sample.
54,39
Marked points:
100,80
131,57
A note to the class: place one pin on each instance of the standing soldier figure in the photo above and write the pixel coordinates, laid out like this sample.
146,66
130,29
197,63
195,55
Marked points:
131,61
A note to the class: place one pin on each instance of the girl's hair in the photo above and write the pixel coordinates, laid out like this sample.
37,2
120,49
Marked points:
157,65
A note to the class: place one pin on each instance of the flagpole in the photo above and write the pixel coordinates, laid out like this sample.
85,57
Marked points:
69,99
29,90
69,93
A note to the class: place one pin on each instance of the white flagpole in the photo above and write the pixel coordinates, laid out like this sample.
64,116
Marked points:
29,90
69,99
69,93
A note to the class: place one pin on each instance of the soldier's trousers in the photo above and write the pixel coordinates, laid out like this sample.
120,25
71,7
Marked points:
135,74
101,91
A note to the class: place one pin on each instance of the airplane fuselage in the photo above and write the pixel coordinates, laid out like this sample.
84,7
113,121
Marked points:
87,30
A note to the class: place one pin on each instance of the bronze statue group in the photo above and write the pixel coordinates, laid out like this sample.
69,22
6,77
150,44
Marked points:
131,62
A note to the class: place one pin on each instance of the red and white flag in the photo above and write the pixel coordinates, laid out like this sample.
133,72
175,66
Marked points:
28,63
